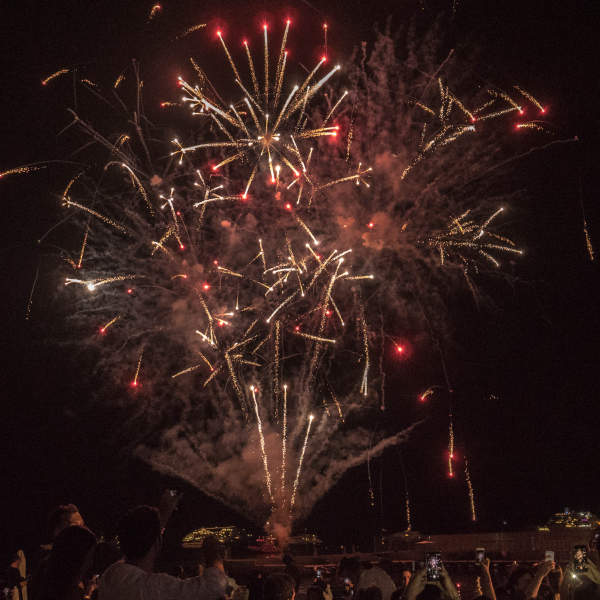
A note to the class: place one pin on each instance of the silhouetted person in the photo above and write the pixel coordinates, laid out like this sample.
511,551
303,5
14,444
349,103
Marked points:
293,570
71,556
13,577
361,578
133,578
255,585
60,518
370,592
279,586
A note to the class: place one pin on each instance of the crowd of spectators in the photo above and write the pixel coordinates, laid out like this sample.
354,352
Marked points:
73,566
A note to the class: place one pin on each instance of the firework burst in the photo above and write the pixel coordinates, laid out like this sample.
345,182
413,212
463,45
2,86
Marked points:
245,250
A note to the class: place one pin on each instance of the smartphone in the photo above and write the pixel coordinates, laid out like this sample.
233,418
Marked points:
319,573
549,556
434,566
174,492
580,559
479,555
346,581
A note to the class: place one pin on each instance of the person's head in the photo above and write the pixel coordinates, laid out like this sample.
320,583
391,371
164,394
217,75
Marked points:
15,561
287,559
351,568
430,592
371,592
139,533
71,556
406,575
519,580
279,586
62,517
214,551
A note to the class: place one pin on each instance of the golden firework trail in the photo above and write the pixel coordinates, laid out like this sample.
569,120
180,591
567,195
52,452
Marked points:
18,170
103,329
471,497
532,125
93,212
450,451
276,368
284,439
310,420
364,386
532,100
153,12
262,440
190,30
315,338
426,393
137,371
92,284
588,241
87,231
51,77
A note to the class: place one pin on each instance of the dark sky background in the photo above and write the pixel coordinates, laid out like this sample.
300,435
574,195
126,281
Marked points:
526,404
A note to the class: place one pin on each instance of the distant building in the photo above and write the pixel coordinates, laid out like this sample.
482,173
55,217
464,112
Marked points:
228,535
395,542
305,543
572,518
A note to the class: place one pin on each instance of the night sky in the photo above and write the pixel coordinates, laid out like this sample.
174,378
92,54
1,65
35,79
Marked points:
524,369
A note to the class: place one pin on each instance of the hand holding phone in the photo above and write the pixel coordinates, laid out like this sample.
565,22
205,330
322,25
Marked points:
434,566
549,556
580,559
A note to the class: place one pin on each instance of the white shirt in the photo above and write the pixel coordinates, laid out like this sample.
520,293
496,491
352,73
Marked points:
378,577
123,581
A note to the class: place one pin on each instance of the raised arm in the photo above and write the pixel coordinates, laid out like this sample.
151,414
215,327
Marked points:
534,587
415,585
487,589
448,586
